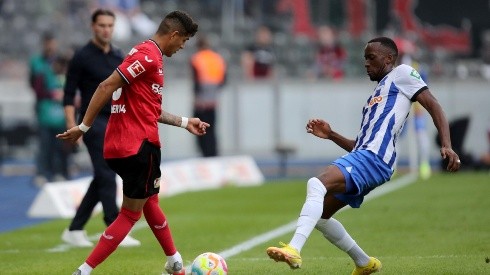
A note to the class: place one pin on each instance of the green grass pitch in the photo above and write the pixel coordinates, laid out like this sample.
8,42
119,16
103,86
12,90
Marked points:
439,226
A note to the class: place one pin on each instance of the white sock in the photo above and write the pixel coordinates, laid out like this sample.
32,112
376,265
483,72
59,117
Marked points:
335,232
86,269
175,258
310,213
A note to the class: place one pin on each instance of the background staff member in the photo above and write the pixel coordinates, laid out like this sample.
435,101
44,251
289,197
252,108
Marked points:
209,76
90,65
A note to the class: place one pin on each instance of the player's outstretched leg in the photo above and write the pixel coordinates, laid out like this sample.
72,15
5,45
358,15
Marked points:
287,254
309,216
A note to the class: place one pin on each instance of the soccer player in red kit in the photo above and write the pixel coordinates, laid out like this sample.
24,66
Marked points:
132,143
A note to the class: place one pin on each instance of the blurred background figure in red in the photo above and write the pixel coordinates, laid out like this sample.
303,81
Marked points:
330,58
258,59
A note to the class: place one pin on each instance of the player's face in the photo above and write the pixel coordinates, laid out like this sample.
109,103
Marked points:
377,61
176,43
103,29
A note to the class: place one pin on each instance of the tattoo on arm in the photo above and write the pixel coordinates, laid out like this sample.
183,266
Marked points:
170,119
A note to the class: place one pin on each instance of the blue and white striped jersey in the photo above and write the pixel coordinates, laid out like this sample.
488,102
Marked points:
386,111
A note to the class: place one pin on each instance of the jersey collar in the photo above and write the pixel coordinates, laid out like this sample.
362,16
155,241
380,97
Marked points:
161,52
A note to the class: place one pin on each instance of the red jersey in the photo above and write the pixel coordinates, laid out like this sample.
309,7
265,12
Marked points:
137,106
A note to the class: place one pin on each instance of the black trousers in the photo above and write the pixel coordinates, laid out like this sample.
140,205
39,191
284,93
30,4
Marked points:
208,144
103,187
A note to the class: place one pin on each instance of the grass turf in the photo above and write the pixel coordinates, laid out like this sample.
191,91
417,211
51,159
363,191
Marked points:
439,226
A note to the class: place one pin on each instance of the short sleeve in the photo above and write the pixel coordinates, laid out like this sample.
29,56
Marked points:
409,81
135,65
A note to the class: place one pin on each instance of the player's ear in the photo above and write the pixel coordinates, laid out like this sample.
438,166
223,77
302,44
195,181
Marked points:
390,58
174,34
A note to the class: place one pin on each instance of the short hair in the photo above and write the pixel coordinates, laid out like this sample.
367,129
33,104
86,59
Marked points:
388,43
178,21
99,12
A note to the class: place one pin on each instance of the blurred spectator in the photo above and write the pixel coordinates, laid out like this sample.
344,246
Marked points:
330,57
129,18
209,76
258,59
46,75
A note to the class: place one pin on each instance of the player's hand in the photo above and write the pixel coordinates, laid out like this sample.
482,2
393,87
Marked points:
451,158
196,126
319,128
71,135
70,125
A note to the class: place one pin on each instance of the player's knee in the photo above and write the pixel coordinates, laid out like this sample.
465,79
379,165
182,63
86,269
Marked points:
315,187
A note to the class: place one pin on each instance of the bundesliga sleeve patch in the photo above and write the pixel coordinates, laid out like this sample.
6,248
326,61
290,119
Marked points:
136,68
415,74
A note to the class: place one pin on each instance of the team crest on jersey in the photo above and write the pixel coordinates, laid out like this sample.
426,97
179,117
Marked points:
136,68
415,74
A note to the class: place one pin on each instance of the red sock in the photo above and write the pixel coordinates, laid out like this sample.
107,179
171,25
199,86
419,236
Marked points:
158,224
113,236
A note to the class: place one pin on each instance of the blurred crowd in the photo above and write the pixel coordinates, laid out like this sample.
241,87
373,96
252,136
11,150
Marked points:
312,48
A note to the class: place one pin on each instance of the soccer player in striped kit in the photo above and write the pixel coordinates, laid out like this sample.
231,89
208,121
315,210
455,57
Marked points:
371,156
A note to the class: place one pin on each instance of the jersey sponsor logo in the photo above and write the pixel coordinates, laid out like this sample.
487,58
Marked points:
157,88
132,51
117,94
415,74
156,183
118,108
147,59
160,71
375,100
136,68
161,226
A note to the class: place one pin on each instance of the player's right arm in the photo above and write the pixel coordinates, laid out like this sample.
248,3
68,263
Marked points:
322,129
102,95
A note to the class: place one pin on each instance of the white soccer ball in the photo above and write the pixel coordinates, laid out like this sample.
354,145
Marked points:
209,263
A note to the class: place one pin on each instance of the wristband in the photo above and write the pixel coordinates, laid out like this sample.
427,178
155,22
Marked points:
184,122
84,128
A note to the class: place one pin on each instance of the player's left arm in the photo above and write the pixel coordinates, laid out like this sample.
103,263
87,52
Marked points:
194,124
430,103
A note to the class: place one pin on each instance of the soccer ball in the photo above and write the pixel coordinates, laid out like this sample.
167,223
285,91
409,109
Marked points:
209,263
